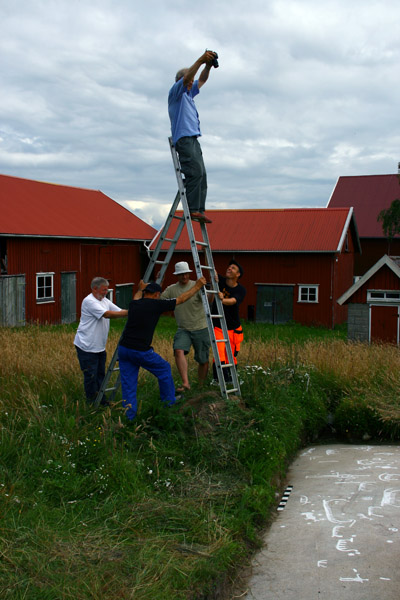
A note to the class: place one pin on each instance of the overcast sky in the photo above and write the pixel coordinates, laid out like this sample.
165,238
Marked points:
306,91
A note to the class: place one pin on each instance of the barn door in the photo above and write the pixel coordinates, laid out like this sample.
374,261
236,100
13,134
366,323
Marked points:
274,304
384,324
12,300
68,297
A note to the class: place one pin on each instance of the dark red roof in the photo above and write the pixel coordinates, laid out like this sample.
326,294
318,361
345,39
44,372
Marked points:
368,194
33,208
286,230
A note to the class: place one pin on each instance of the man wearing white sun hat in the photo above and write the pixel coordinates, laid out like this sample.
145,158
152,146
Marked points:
192,327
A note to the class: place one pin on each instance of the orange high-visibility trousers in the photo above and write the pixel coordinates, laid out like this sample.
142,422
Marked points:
235,339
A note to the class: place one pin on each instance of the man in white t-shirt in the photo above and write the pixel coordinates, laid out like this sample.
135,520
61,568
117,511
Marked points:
91,336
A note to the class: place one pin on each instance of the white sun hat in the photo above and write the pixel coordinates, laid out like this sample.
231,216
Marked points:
182,267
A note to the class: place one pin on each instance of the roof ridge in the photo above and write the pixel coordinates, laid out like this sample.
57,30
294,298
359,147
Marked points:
74,187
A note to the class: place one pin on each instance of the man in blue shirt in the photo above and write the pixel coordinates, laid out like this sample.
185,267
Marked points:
185,128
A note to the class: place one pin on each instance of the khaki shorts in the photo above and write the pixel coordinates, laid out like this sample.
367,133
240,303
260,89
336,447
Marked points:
200,340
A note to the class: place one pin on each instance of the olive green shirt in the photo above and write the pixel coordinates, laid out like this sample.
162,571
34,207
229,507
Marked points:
189,315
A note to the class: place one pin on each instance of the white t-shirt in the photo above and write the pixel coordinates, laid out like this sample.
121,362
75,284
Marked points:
92,332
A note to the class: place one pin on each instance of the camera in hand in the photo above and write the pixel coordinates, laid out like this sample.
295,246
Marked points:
215,59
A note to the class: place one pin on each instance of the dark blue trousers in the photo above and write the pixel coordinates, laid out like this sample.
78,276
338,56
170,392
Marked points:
130,362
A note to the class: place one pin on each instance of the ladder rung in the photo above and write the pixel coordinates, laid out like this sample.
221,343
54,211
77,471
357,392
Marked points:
221,341
201,243
226,365
211,291
169,240
216,316
179,218
110,389
159,262
206,268
231,391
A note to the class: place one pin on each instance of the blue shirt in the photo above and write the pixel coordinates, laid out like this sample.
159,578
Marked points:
182,110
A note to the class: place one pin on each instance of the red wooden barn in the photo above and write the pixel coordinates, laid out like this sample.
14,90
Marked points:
374,303
368,194
297,262
53,240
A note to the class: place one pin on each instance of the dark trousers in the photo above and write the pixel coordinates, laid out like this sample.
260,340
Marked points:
93,366
192,165
130,362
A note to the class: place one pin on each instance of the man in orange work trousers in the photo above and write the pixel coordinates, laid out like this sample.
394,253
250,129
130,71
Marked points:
231,293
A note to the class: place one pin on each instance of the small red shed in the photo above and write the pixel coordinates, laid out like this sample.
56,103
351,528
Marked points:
296,262
374,303
53,240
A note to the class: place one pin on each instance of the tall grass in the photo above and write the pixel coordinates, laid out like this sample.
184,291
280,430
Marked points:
166,507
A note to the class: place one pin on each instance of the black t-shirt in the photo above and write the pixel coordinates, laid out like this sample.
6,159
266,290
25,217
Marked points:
143,317
231,312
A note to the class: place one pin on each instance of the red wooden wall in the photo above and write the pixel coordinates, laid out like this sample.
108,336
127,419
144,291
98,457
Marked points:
333,273
119,262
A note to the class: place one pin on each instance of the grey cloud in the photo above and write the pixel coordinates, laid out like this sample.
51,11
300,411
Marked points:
305,92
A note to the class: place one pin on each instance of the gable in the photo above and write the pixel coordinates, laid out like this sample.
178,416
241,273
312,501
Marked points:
385,274
368,195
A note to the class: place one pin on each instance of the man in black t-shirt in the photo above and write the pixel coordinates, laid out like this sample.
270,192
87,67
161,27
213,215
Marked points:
231,293
135,351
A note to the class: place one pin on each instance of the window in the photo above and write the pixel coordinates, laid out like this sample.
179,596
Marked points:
44,287
383,295
308,293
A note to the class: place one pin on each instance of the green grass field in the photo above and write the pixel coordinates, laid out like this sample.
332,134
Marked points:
171,506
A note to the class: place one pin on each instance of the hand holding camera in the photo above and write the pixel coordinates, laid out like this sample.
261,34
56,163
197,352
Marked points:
214,60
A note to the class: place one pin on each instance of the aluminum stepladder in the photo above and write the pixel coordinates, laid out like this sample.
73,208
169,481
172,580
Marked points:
227,375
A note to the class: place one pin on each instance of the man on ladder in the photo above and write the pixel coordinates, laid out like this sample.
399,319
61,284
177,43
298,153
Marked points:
185,128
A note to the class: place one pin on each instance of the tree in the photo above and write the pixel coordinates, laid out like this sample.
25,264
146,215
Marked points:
390,219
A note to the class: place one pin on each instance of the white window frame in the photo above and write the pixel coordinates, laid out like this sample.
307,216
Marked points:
383,296
110,294
47,285
308,287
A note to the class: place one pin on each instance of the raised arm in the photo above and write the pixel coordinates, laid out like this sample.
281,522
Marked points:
190,74
187,295
139,294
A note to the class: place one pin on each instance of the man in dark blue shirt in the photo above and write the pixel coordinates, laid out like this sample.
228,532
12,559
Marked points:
185,128
135,350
